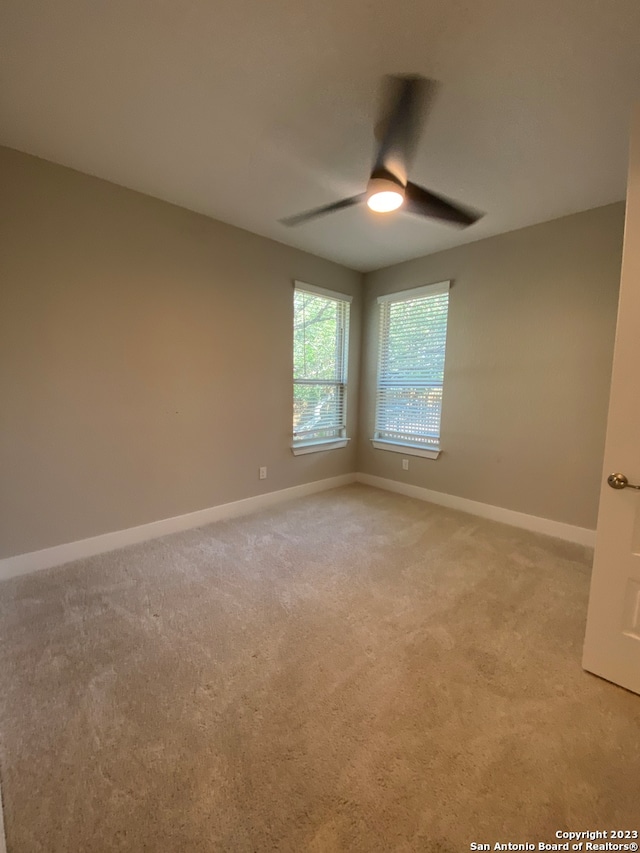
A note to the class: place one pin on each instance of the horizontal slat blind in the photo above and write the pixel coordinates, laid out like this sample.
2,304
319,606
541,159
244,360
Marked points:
320,344
413,336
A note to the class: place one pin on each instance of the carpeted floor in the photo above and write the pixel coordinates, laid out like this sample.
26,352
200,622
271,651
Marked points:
355,671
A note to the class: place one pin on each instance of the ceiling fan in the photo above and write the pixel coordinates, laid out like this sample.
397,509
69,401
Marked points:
388,188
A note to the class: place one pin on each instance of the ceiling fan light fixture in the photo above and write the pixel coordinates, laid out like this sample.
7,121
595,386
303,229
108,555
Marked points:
384,195
389,188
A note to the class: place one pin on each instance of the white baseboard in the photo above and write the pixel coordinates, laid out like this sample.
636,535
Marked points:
57,555
581,535
23,564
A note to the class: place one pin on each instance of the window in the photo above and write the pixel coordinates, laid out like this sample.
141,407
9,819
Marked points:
320,354
413,335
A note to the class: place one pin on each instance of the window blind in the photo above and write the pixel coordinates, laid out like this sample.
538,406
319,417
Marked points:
413,336
320,347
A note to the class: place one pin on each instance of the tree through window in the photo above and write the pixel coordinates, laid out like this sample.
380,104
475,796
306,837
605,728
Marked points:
320,354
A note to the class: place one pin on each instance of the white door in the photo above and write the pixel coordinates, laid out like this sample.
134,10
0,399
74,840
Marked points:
612,642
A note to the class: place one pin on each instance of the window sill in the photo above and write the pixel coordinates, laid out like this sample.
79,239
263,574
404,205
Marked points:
317,446
407,449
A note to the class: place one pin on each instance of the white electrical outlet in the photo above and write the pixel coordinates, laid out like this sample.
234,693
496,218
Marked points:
263,473
405,464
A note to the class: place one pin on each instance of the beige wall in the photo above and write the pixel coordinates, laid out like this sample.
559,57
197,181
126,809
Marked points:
529,352
145,359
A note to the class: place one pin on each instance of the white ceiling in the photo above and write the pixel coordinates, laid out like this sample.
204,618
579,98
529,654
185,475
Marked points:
251,110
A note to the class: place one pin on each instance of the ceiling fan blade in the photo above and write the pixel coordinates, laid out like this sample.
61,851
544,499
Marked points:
406,102
299,218
425,203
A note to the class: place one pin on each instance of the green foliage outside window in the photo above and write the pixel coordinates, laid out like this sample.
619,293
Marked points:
319,345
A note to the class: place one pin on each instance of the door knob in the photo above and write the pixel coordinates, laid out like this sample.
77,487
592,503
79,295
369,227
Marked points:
619,481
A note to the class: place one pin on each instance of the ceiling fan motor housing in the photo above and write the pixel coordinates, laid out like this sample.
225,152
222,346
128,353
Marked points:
382,181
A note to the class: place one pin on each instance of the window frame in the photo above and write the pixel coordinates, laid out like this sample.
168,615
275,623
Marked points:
302,447
379,442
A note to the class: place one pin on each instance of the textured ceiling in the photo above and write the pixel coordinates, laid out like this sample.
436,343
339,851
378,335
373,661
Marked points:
249,110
